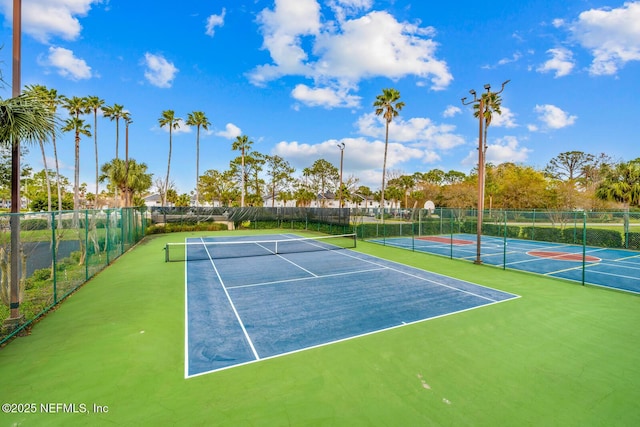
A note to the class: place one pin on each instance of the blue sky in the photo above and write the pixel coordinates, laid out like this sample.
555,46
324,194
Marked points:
300,76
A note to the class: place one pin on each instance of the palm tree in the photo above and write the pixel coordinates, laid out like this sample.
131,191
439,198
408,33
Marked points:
243,144
22,118
133,183
94,104
127,120
40,92
491,104
198,119
170,120
79,127
52,99
388,106
622,184
115,113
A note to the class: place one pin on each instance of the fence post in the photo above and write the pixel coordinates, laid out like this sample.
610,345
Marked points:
504,246
53,257
86,244
106,235
533,226
584,245
450,233
122,229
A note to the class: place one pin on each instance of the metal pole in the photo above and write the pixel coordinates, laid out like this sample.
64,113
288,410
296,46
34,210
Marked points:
480,182
341,147
14,219
481,148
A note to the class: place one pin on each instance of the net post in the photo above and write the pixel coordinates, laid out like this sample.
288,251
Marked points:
166,252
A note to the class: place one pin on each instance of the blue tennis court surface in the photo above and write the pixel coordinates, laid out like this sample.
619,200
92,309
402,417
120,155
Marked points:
612,268
241,310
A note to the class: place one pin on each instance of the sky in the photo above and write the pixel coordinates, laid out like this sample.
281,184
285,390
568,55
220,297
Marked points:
299,77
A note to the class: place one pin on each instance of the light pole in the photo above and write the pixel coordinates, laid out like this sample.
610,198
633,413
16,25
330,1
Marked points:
341,147
481,151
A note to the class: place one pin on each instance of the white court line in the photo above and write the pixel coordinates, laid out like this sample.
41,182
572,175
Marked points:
305,278
426,279
233,307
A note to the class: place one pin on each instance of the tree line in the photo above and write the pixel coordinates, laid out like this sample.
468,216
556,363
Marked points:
572,180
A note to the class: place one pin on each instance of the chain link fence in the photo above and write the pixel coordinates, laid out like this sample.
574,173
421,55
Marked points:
616,229
59,251
454,233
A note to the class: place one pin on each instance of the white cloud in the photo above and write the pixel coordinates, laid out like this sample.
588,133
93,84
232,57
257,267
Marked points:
504,150
159,72
67,64
505,120
283,29
507,149
44,19
325,97
339,55
553,117
214,21
378,45
451,111
362,158
230,131
504,61
612,36
561,62
344,8
418,132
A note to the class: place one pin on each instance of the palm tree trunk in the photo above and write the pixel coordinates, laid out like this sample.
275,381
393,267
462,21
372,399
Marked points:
384,169
55,155
76,177
197,165
46,174
243,181
95,142
166,182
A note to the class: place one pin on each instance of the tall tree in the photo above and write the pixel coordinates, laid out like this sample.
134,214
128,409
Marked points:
169,120
323,177
80,128
280,174
570,165
492,104
219,186
126,116
132,183
199,120
115,112
242,144
388,105
622,184
40,92
53,100
94,104
76,106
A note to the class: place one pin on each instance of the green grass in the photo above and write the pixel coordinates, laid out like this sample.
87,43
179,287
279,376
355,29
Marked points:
562,354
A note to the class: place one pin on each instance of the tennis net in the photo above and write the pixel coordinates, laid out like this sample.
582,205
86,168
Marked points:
204,250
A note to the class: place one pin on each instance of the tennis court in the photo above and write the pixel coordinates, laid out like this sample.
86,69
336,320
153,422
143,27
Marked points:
242,307
612,268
